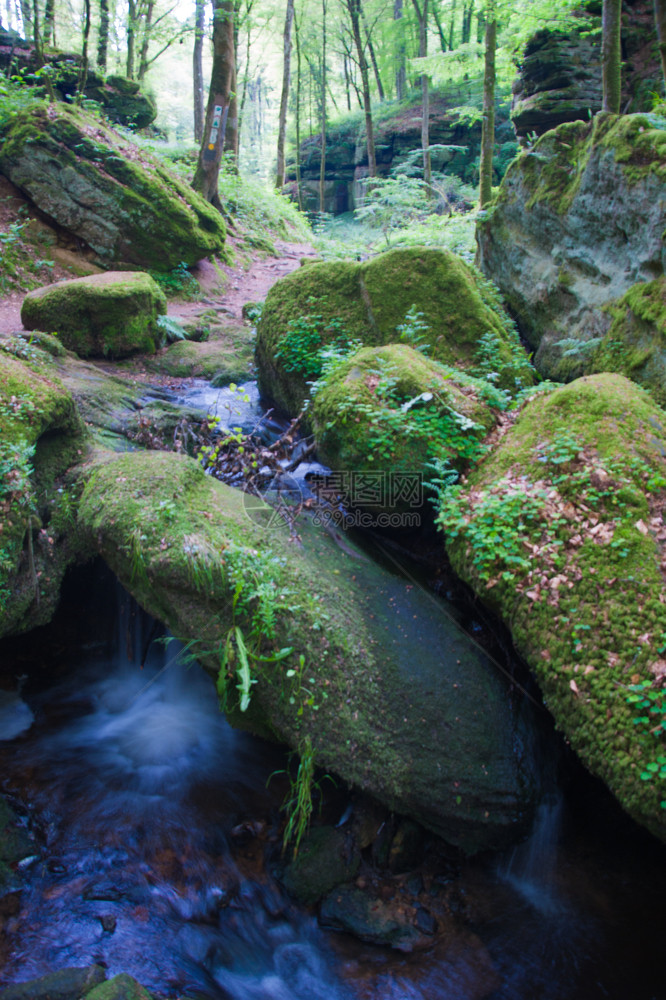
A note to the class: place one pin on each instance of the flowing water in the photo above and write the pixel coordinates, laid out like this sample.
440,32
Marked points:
156,837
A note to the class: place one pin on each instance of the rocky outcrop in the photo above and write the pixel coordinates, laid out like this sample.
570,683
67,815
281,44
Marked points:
111,315
342,302
122,99
635,344
117,200
578,220
560,72
559,529
456,143
435,736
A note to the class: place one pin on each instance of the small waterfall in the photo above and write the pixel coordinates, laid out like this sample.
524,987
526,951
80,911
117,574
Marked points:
532,866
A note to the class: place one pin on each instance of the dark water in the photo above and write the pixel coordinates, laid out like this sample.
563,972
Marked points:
156,838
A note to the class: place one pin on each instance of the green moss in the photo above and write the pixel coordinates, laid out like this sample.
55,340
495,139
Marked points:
635,344
41,438
121,987
227,356
572,493
370,414
103,315
135,209
180,542
367,302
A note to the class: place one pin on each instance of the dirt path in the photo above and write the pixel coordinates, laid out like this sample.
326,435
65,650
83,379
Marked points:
242,285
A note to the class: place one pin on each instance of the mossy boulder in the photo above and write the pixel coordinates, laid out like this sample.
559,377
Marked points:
635,344
111,315
560,531
345,301
578,220
392,411
41,438
100,187
226,356
400,703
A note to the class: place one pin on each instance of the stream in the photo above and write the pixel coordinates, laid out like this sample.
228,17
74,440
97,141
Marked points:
157,837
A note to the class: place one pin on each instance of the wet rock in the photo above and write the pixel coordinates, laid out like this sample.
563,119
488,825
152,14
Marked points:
15,841
66,984
369,918
108,923
121,987
111,315
326,857
406,852
435,737
425,921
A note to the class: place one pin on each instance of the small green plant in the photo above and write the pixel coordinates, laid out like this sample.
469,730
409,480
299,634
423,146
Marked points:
298,803
172,329
651,703
413,331
305,340
178,282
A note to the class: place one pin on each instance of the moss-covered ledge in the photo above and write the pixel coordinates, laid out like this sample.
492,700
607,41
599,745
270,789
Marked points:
412,731
561,531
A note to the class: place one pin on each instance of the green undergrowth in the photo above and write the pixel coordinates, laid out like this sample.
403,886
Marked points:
560,530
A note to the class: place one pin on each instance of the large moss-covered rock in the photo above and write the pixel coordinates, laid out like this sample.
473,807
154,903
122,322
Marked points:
560,530
104,190
559,75
635,344
342,301
41,438
111,315
578,220
381,687
391,410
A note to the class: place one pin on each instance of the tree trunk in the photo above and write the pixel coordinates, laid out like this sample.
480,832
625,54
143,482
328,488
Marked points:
422,16
197,69
488,122
218,111
611,55
284,97
401,72
440,30
83,72
355,13
452,24
322,161
298,114
660,21
145,39
131,33
49,23
373,57
103,35
468,14
26,19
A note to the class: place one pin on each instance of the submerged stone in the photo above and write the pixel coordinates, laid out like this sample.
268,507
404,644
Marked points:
111,315
65,984
326,857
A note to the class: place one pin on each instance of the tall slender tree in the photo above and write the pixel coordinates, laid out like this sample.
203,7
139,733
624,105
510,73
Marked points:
222,82
103,35
401,69
660,20
488,120
197,69
284,96
322,159
355,13
611,55
422,18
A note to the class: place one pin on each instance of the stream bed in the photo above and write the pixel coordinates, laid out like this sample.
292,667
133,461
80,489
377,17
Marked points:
157,837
